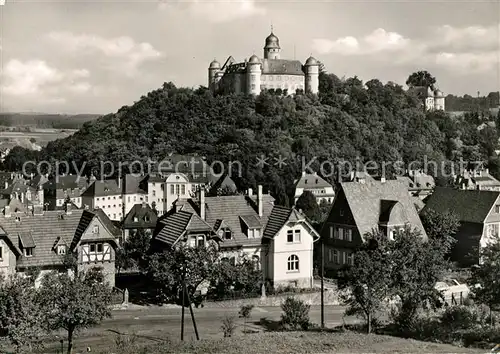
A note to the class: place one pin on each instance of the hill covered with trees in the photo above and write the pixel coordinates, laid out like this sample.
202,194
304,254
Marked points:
349,119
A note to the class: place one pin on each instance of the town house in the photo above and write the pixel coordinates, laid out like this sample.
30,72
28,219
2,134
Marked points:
42,240
105,195
321,189
140,217
479,215
61,188
363,207
279,240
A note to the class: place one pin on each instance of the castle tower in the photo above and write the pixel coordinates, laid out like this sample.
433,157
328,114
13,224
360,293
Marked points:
272,47
254,71
438,100
312,75
212,73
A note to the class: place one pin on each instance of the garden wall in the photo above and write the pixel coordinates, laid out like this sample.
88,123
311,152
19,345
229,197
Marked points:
331,297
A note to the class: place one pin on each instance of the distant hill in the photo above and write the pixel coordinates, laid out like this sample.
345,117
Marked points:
46,120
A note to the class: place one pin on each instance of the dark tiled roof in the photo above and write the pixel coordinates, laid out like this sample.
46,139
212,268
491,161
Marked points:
279,215
103,188
67,182
146,217
26,240
252,221
133,185
172,226
469,205
312,181
365,203
282,67
45,230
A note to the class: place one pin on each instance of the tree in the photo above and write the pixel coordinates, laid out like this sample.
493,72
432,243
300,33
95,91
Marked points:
485,285
307,203
134,250
416,265
20,316
245,312
367,280
440,225
166,269
74,302
421,78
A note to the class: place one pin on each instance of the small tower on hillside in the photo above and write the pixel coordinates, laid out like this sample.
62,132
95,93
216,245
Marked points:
254,72
312,75
439,100
212,74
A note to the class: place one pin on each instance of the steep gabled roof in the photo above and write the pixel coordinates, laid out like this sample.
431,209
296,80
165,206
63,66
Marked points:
469,205
172,226
44,231
103,188
309,181
146,217
365,202
279,216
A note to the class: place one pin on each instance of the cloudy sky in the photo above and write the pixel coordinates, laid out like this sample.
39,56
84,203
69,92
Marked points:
96,56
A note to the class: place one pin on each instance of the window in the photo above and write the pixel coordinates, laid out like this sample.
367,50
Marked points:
331,232
341,212
297,236
95,229
99,248
1,253
97,199
289,236
340,233
114,216
183,189
154,193
348,235
172,189
177,189
253,86
256,233
227,234
96,248
136,219
336,259
61,249
28,252
197,241
293,263
350,258
497,209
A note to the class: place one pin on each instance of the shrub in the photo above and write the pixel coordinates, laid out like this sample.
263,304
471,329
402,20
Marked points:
295,314
228,326
125,343
459,317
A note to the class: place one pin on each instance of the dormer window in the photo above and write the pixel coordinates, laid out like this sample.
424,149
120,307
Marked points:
136,219
253,233
28,252
61,250
95,230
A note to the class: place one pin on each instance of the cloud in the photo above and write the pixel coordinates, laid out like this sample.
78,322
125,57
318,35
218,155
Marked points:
466,49
216,11
38,81
124,53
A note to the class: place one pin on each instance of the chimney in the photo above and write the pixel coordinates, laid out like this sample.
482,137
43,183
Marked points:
144,204
68,208
487,171
463,186
382,179
119,183
7,211
303,173
202,203
250,192
6,184
259,200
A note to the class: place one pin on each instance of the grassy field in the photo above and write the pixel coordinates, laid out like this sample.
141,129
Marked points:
288,342
42,136
157,330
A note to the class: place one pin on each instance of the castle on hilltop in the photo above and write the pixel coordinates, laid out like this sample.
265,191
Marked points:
271,72
431,100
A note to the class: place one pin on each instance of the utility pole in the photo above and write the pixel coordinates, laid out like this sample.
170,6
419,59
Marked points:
192,314
322,283
183,297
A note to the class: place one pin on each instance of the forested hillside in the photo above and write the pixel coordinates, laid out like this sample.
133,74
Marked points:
349,119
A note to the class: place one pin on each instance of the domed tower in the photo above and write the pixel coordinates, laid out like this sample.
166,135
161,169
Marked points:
439,100
254,71
272,47
312,75
212,72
